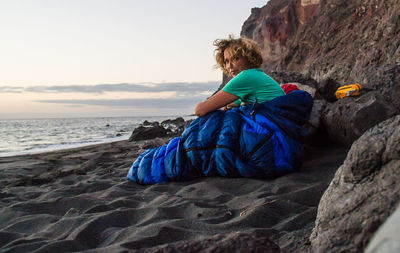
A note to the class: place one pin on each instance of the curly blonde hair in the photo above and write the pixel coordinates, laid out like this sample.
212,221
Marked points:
240,47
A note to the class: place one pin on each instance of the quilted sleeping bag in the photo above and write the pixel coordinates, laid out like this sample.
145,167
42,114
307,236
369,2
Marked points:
257,140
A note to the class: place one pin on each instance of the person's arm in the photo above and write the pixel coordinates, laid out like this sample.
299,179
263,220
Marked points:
218,100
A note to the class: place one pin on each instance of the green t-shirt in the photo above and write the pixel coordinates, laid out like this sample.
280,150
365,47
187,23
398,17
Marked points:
253,83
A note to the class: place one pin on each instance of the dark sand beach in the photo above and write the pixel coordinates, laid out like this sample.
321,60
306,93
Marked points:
80,200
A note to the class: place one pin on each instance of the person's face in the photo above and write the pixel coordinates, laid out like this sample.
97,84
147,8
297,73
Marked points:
234,65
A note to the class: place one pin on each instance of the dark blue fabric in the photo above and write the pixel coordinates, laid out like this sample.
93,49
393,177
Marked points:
260,141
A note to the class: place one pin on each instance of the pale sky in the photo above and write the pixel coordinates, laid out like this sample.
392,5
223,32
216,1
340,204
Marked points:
80,58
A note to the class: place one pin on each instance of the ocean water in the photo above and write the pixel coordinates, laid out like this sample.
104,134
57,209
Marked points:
28,136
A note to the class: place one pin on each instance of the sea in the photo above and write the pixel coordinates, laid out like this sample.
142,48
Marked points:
30,136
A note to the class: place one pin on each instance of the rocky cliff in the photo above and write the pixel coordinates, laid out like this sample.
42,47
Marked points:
336,39
274,24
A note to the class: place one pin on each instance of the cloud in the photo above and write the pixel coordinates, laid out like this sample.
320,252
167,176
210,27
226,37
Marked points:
10,89
179,87
184,95
164,103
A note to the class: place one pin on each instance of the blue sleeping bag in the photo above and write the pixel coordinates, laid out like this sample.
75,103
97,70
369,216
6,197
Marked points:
257,140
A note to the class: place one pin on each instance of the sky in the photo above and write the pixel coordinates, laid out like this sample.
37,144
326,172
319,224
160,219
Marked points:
105,58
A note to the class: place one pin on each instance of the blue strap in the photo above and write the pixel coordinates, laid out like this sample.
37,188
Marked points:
253,107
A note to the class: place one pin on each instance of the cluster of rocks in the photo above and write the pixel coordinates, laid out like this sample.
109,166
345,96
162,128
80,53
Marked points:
167,128
365,190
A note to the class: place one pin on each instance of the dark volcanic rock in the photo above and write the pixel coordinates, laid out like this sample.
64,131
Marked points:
150,130
150,124
327,89
145,133
291,76
348,118
316,134
363,193
175,126
386,80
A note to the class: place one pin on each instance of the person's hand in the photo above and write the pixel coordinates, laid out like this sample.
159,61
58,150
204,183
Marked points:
228,107
225,108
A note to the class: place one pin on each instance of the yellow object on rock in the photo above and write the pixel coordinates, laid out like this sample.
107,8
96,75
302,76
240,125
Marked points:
348,90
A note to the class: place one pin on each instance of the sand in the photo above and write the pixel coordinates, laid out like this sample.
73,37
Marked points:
79,200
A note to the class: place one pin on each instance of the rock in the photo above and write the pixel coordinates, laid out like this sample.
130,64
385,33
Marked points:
150,130
364,192
348,118
327,89
387,239
175,126
386,80
154,143
145,133
307,88
316,134
293,77
150,124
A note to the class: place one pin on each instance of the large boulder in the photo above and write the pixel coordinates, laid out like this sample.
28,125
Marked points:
364,192
327,89
145,133
348,118
174,126
386,80
151,130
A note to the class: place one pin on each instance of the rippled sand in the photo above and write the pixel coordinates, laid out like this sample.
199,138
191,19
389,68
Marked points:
79,200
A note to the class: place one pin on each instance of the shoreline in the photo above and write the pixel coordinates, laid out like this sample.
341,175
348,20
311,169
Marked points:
44,135
61,147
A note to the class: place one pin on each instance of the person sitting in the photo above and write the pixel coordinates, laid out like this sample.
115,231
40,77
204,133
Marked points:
241,59
262,138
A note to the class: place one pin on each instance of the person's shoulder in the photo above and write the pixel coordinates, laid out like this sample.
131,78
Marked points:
246,76
249,73
255,73
252,71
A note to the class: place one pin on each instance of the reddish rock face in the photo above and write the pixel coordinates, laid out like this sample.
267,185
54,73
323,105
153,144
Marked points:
337,39
272,26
